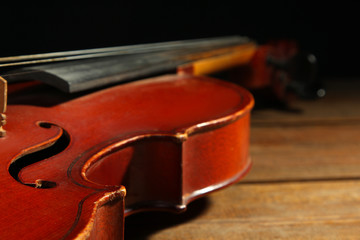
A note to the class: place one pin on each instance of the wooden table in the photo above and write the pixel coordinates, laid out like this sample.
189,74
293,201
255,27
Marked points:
304,183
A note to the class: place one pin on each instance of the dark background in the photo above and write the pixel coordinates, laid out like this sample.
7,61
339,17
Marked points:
326,28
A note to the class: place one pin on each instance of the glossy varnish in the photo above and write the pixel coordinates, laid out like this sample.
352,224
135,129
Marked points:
152,144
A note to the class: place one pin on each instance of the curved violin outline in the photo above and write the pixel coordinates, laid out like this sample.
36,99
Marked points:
181,135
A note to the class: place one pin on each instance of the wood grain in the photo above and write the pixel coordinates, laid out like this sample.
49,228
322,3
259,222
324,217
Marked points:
321,141
312,152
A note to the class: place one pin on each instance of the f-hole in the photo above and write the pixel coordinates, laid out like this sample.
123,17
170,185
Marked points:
58,146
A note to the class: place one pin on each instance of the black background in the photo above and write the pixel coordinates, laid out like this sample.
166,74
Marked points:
326,28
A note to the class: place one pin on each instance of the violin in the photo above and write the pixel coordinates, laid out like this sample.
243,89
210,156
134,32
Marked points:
90,137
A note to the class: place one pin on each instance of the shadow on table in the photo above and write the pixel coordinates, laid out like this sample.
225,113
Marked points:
142,225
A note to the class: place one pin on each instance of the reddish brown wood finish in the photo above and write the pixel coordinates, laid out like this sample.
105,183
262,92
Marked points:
167,140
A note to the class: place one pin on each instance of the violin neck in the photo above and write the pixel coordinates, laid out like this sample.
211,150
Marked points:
75,71
206,43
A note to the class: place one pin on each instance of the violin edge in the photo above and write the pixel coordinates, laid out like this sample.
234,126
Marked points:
108,211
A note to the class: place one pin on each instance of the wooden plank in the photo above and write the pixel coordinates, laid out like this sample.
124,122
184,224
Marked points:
305,152
320,142
320,210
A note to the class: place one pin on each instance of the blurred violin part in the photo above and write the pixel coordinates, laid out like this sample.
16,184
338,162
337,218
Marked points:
278,72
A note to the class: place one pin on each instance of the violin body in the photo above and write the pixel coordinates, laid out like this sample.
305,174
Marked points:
74,167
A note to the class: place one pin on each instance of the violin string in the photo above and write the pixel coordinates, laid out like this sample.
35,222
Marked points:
190,54
121,50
